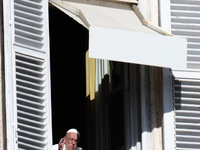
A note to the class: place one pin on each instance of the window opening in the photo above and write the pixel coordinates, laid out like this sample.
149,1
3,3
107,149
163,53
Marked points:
68,44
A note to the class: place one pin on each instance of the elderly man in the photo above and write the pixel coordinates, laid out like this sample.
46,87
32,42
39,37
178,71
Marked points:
69,142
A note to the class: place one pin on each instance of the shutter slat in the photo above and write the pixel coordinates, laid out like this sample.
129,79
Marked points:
183,13
31,134
29,121
188,20
36,103
32,128
31,115
187,112
29,17
28,64
194,58
188,138
187,106
192,144
32,131
188,93
30,91
29,35
183,125
189,2
30,84
30,4
30,72
186,149
32,140
188,87
29,146
28,58
193,46
188,7
182,32
188,144
28,42
33,110
193,52
188,99
30,78
27,28
190,119
28,22
190,80
26,8
185,26
29,96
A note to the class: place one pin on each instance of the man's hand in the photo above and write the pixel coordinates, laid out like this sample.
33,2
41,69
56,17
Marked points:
61,143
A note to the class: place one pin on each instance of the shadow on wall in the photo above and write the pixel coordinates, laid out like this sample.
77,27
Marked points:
119,112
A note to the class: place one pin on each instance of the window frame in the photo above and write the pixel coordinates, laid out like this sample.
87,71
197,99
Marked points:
168,107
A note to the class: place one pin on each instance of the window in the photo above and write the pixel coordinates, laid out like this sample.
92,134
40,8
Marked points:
68,44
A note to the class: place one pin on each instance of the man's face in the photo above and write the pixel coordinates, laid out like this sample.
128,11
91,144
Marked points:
71,141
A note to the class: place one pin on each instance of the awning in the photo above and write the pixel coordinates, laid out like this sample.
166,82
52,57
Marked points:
119,32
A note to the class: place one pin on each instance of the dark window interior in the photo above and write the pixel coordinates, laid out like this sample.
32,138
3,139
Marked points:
68,44
116,107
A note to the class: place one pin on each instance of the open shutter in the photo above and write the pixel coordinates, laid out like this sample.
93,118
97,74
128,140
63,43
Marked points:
187,112
29,75
185,22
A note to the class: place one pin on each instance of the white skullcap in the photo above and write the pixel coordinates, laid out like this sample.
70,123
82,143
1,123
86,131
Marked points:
73,131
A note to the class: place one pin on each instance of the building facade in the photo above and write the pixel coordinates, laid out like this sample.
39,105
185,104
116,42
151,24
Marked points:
117,102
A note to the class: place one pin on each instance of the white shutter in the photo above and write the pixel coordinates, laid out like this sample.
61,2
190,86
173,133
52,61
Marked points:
187,112
185,22
29,75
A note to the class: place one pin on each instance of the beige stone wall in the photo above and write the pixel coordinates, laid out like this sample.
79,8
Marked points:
156,87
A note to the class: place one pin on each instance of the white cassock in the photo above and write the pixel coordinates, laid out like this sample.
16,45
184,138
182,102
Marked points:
55,147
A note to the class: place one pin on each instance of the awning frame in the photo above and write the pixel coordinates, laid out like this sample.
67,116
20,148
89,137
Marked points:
133,4
71,9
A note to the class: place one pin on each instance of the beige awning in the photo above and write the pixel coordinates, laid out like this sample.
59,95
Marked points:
119,32
102,14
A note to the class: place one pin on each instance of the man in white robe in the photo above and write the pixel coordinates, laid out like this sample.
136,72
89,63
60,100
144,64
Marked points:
69,142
